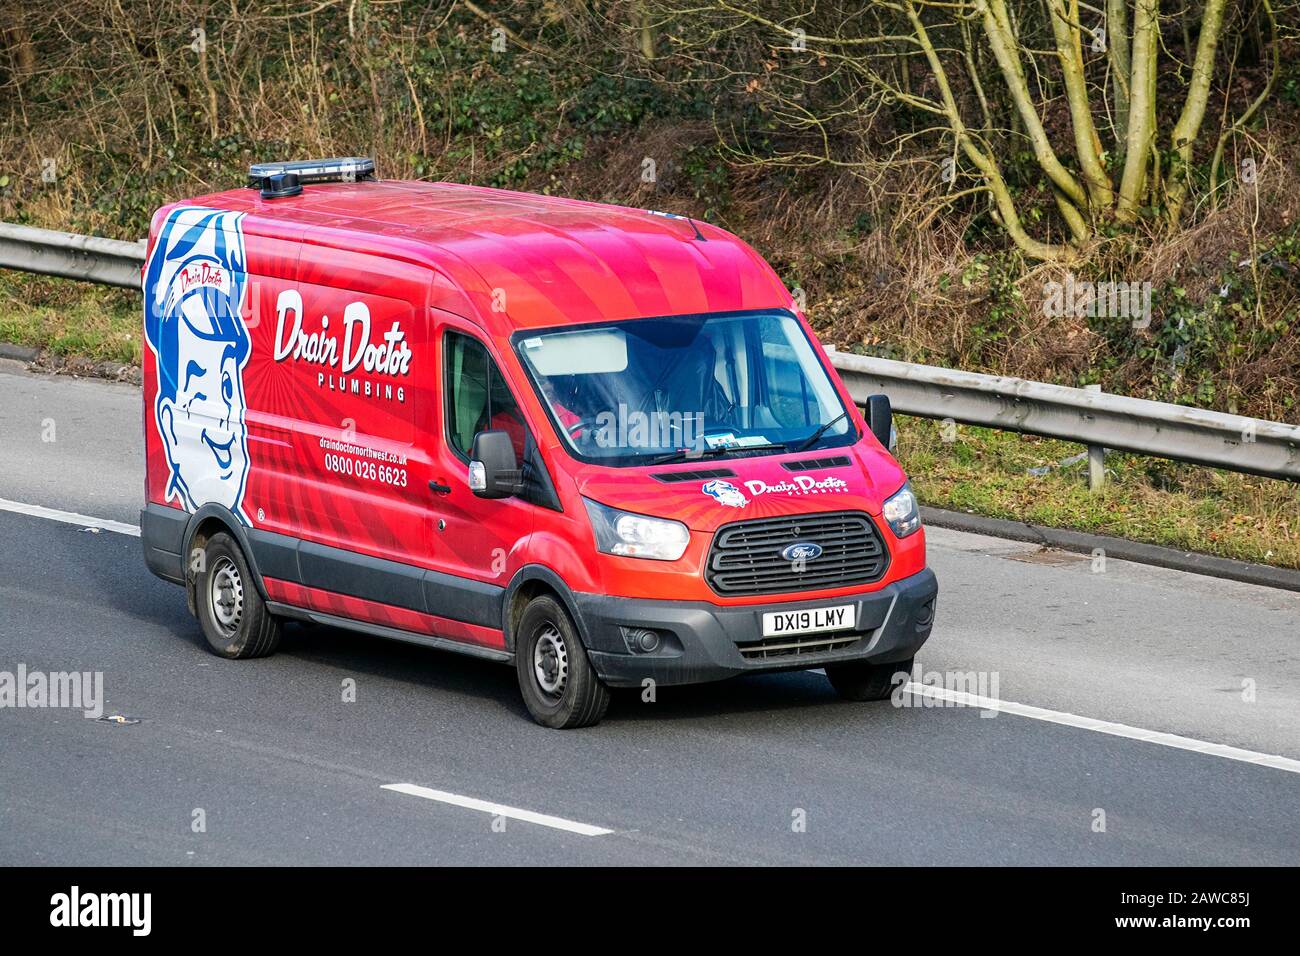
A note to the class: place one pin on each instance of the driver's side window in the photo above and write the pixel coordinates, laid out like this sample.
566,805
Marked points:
477,397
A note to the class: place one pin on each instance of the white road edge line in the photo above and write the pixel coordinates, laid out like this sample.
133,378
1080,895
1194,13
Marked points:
1106,727
497,809
68,517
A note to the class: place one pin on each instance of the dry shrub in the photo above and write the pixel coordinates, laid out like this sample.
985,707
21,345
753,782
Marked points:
1269,206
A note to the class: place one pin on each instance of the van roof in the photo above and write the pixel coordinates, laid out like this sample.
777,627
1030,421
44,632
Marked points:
524,260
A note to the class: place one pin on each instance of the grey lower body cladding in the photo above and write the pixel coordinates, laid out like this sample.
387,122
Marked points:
164,531
699,641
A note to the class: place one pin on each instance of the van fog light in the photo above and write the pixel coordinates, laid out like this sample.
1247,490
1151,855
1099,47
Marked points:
925,613
641,639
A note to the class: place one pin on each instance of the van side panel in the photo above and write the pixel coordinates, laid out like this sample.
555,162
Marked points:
340,368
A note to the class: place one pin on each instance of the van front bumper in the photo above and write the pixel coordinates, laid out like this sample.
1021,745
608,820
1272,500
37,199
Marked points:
700,641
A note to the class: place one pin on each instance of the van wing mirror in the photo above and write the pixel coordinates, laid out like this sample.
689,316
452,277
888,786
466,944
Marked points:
493,469
880,418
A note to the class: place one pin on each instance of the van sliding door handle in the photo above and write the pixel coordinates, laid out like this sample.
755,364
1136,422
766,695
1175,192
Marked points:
440,488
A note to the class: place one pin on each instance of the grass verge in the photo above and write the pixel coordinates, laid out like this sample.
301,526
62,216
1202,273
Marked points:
987,472
99,323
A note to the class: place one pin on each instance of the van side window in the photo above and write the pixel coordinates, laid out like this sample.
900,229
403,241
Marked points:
478,398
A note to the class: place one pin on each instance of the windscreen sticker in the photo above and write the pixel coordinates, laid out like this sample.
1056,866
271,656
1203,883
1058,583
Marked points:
732,440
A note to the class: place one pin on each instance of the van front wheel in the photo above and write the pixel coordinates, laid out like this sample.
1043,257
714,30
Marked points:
232,615
559,685
858,680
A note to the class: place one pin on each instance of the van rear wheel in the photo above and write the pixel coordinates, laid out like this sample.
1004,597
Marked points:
558,683
232,615
859,680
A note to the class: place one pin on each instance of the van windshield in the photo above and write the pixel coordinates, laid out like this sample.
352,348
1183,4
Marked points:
669,389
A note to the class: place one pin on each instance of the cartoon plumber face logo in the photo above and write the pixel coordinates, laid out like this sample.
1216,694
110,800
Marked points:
725,493
194,292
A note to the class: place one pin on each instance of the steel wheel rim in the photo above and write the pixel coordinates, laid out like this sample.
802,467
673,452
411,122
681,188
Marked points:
551,661
226,595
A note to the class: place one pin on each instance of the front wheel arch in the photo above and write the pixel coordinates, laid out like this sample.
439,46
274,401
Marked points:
532,581
208,520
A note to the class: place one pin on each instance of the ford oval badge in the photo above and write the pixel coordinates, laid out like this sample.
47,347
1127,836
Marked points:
802,551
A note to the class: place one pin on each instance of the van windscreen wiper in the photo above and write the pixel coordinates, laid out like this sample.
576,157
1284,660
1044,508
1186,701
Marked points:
715,452
821,430
687,454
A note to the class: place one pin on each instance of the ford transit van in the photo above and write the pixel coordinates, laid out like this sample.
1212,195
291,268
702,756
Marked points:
600,444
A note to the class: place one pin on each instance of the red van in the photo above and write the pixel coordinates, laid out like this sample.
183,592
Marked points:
600,443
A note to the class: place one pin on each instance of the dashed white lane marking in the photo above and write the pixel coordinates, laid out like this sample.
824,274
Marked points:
1106,727
498,809
68,517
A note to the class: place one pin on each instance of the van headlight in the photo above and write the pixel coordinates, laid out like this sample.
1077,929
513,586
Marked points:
902,511
636,536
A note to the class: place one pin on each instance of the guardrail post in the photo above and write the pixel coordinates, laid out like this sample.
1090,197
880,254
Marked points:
1096,458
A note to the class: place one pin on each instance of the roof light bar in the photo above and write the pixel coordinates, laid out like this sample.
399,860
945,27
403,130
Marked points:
347,169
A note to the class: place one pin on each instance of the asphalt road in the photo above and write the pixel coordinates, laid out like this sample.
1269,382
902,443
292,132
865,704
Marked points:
761,770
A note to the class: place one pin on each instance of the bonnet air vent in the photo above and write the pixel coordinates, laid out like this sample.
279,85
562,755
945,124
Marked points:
704,474
809,464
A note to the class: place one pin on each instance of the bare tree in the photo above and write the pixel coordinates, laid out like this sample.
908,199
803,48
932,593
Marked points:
1110,113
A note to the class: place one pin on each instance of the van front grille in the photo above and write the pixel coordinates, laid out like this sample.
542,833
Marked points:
746,557
794,646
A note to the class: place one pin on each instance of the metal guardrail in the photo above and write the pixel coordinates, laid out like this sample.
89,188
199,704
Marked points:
1162,430
1092,418
66,254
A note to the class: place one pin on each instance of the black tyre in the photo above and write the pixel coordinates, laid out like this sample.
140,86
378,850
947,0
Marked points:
560,688
859,680
232,614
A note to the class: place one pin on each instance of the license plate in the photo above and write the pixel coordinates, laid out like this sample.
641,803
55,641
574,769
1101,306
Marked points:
811,621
